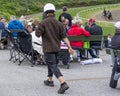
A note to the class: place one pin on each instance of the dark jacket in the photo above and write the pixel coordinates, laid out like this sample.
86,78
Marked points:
95,30
115,41
52,32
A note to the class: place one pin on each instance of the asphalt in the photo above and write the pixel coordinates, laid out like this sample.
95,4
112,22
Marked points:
84,80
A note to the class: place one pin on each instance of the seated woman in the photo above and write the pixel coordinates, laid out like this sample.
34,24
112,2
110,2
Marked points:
75,30
36,42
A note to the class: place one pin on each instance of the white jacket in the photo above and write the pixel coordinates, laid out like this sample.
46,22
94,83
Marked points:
37,43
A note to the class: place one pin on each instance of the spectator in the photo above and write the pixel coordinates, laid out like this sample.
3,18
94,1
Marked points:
65,15
23,20
35,23
52,32
75,30
94,29
105,13
115,41
3,42
109,15
36,41
109,40
2,23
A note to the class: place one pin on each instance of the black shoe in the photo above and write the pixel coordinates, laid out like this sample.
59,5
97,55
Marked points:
49,83
83,57
94,56
63,88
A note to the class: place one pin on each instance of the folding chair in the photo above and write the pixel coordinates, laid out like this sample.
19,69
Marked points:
14,47
24,40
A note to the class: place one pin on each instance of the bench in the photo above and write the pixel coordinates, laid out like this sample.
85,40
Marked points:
100,38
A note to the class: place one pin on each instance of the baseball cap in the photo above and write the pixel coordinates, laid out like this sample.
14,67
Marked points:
117,25
91,20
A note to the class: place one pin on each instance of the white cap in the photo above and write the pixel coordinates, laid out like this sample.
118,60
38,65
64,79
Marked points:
49,6
117,25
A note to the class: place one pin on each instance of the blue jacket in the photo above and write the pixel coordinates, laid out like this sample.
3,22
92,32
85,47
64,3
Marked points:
2,25
15,24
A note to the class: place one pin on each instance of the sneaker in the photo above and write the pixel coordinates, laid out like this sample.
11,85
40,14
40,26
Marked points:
71,59
63,88
79,60
49,83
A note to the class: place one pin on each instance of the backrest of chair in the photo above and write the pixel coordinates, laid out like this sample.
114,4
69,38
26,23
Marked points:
25,41
9,34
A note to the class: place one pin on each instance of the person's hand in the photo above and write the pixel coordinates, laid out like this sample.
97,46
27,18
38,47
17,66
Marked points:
71,51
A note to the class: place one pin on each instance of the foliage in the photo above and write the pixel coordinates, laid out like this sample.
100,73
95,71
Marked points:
25,7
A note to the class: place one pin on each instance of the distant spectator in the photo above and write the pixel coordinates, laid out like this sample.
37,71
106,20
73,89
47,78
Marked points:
65,15
105,13
109,40
23,20
2,23
3,41
109,15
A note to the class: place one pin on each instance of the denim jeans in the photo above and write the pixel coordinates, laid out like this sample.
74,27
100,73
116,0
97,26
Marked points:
51,61
92,53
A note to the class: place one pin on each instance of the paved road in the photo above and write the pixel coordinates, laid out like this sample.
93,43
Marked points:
84,80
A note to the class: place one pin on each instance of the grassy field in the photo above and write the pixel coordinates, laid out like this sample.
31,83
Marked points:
87,12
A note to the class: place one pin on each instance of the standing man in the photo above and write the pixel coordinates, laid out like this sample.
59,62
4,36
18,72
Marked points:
115,41
52,32
65,15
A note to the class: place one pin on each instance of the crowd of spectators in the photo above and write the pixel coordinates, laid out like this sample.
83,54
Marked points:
73,26
50,32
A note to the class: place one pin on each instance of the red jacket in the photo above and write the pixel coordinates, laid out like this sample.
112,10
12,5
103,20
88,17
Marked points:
75,30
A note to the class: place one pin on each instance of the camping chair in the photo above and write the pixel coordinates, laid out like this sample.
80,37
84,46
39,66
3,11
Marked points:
14,47
24,40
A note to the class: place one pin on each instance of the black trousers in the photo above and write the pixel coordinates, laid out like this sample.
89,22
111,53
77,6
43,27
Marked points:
51,61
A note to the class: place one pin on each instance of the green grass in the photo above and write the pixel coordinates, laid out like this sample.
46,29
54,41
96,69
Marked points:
90,11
